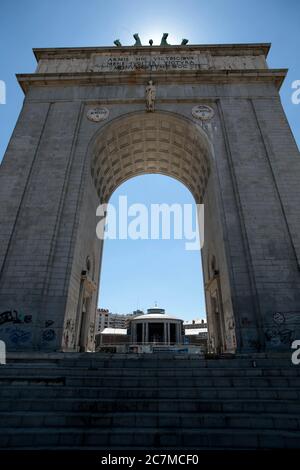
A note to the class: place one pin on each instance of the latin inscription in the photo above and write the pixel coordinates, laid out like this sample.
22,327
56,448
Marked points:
158,62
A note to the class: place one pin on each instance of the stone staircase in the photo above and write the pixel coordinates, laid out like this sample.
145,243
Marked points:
107,402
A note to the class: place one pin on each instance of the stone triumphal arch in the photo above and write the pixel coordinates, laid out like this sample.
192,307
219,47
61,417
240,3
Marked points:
209,116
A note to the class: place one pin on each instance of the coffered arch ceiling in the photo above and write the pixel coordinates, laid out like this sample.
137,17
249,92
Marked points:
144,143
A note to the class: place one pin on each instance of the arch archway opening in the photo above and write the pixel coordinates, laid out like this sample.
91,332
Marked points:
171,145
160,261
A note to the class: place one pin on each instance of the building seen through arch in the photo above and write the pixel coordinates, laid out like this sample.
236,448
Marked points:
153,331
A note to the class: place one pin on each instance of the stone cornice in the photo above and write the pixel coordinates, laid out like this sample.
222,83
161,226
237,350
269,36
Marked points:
133,78
213,49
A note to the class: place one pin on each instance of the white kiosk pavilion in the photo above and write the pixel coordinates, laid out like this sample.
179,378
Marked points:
156,327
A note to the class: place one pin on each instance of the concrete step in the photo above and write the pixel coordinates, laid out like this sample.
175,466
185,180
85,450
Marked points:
148,372
87,360
151,405
188,381
162,381
157,419
111,402
57,391
146,438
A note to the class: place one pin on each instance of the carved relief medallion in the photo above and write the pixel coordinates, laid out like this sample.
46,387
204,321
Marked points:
203,112
97,114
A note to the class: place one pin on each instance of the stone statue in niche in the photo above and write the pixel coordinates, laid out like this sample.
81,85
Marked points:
150,96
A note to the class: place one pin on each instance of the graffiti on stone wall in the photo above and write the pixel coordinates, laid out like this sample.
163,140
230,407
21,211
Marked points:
279,333
48,335
13,316
11,324
18,336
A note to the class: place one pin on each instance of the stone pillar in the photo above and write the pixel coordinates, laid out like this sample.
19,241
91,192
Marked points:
147,333
177,333
143,333
165,333
168,335
133,333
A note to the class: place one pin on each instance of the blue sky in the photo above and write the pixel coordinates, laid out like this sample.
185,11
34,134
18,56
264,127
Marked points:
141,272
